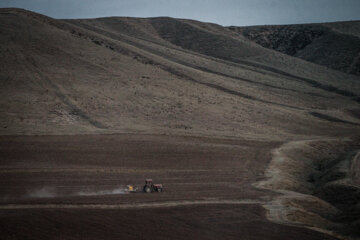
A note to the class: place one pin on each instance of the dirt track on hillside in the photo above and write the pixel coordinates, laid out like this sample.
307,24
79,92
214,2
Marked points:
318,183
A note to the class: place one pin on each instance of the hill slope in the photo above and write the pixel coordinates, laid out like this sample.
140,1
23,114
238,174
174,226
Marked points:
230,106
335,45
161,75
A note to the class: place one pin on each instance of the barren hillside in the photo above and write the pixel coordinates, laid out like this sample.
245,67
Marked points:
334,45
161,75
253,131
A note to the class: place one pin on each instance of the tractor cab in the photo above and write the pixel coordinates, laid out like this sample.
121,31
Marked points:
150,187
148,181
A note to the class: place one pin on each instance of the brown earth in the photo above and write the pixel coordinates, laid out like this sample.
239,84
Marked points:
208,192
199,222
88,106
195,168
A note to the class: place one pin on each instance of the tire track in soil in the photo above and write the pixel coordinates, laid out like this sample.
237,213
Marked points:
94,170
130,206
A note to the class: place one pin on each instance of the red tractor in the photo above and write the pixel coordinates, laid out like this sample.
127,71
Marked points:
150,187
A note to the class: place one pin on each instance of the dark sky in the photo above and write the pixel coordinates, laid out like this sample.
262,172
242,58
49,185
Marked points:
224,12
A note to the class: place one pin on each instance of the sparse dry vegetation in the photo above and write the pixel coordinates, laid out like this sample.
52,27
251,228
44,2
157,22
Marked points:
247,140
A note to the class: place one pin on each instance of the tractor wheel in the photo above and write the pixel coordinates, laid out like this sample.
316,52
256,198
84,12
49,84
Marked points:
159,189
147,189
